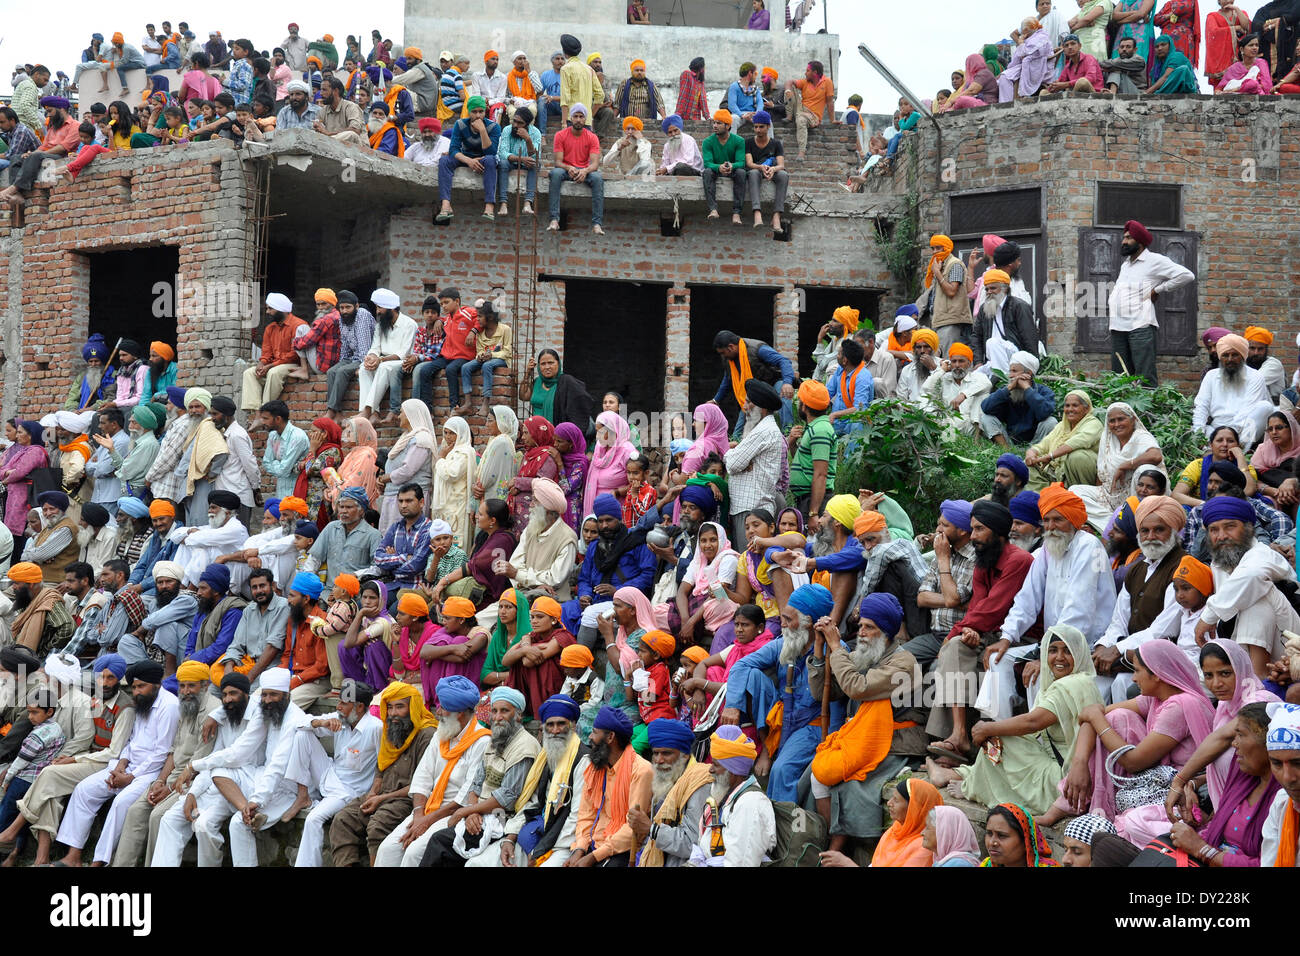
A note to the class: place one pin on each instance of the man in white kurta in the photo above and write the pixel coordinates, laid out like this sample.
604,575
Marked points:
959,388
356,734
458,731
157,713
274,550
197,547
738,826
381,369
548,548
1233,394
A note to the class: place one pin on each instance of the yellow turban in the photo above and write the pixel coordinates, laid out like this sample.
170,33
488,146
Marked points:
326,295
413,604
634,122
927,337
420,718
1257,333
458,607
193,671
847,317
868,522
993,276
844,509
25,573
593,56
720,748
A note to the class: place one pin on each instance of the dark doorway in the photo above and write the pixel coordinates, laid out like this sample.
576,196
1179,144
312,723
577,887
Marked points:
615,340
819,305
747,311
132,295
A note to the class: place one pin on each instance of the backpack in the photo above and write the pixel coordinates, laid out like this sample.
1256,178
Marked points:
800,836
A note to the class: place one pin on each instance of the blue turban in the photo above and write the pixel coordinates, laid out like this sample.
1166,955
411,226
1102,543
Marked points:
607,506
1126,520
115,664
1024,507
510,696
176,395
1016,465
217,577
273,506
559,705
357,494
679,445
908,310
813,600
1224,508
307,584
673,120
956,513
667,733
761,118
56,498
457,693
702,498
133,506
307,529
95,347
374,73
882,608
613,719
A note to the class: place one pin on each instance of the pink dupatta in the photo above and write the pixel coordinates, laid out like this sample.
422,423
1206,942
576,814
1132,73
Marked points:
713,440
1249,690
716,613
608,468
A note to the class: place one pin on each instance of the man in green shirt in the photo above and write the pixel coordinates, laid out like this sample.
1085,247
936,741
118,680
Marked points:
812,452
724,155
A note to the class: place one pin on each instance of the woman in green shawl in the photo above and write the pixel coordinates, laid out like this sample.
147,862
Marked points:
1069,452
1172,71
1037,747
512,624
990,54
553,394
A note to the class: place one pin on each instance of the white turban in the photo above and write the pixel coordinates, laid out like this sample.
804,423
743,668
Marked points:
168,569
275,678
280,302
437,527
299,86
71,421
1283,726
516,55
1025,360
385,299
63,668
905,323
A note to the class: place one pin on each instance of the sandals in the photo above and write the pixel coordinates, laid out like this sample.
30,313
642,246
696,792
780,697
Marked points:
940,752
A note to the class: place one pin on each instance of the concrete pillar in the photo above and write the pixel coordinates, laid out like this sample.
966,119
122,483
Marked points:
677,356
785,322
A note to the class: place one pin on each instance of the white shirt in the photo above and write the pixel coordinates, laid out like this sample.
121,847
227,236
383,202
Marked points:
942,388
356,755
397,340
1118,629
1079,591
1129,305
227,734
422,156
1274,377
151,48
1272,833
884,373
151,735
910,385
1174,623
491,88
1250,584
239,474
431,764
201,546
101,547
748,828
1220,403
279,748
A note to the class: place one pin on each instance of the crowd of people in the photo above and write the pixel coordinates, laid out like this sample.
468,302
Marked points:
566,645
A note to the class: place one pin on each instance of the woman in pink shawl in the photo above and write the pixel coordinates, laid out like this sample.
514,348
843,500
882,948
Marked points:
361,442
709,677
1274,460
608,470
16,466
1230,677
632,616
1250,75
979,89
711,438
712,565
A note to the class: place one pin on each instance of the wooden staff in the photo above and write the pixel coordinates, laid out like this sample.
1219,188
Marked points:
107,365
826,684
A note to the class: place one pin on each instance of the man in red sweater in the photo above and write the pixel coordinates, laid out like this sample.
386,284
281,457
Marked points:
304,653
577,160
459,328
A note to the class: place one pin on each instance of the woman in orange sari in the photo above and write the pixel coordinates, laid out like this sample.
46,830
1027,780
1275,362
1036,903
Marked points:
909,806
361,444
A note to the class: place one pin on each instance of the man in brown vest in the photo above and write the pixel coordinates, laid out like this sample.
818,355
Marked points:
1148,587
56,546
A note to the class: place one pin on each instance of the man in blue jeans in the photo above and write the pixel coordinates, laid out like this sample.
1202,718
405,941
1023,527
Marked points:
577,160
474,142
494,347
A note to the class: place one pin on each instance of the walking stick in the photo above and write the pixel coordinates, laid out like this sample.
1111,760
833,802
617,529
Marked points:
826,687
107,365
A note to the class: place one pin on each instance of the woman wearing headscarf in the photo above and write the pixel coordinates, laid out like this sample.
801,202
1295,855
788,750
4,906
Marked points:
571,443
1171,71
512,624
950,838
909,806
1013,838
19,460
1034,750
1274,459
711,573
366,653
1069,452
453,480
323,451
710,438
534,660
608,469
621,632
554,394
409,460
1123,449
500,462
1225,445
360,444
478,578
132,468
541,460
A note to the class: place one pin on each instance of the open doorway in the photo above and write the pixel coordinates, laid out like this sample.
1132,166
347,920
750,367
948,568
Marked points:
745,310
819,304
615,340
125,299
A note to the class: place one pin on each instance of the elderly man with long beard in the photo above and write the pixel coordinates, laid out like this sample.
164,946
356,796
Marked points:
1069,582
1147,590
89,386
216,619
738,827
959,388
473,832
199,547
442,782
881,679
1026,521
1233,394
273,548
791,732
679,789
162,634
1021,411
1004,325
1247,604
547,551
617,782
43,620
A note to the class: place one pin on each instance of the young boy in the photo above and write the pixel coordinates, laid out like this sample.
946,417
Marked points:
304,536
445,555
1193,584
38,750
652,682
460,325
641,495
338,617
246,124
582,684
86,152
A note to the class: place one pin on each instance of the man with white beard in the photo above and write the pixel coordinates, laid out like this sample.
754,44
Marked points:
499,782
441,784
752,694
1233,394
1148,589
894,566
882,681
738,827
678,790
1021,411
1070,582
1026,521
959,388
541,832
273,548
1004,324
196,547
1246,605
547,551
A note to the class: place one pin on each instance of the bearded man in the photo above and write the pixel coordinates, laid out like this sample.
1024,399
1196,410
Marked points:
1004,324
381,369
1258,339
547,551
1233,394
738,827
88,388
1009,478
215,620
1020,411
959,388
618,558
1026,521
679,789
197,548
264,381
894,566
273,549
55,545
43,621
604,838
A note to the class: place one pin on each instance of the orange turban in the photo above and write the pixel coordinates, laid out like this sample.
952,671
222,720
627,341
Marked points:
314,59
942,247
327,37
957,348
167,352
695,654
457,606
1232,342
994,276
548,606
413,604
1173,514
635,63
768,71
25,573
326,295
847,316
162,508
575,655
868,522
633,121
349,583
1056,497
1196,574
1257,333
414,51
925,336
814,395
295,505
661,642
489,55
722,116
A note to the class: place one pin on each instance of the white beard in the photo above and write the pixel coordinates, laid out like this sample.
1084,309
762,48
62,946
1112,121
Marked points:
868,653
664,778
1056,543
555,744
958,374
794,641
84,535
1155,550
218,519
721,788
1025,542
448,728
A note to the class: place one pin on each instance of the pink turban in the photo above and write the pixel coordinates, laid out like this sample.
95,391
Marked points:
1162,506
548,494
1232,342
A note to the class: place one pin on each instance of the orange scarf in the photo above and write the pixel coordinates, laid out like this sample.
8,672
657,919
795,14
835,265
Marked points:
897,346
616,797
451,756
942,250
740,373
857,748
78,444
378,138
390,97
901,844
849,383
520,85
1290,833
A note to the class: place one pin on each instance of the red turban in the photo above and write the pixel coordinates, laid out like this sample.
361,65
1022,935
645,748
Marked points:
1138,232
